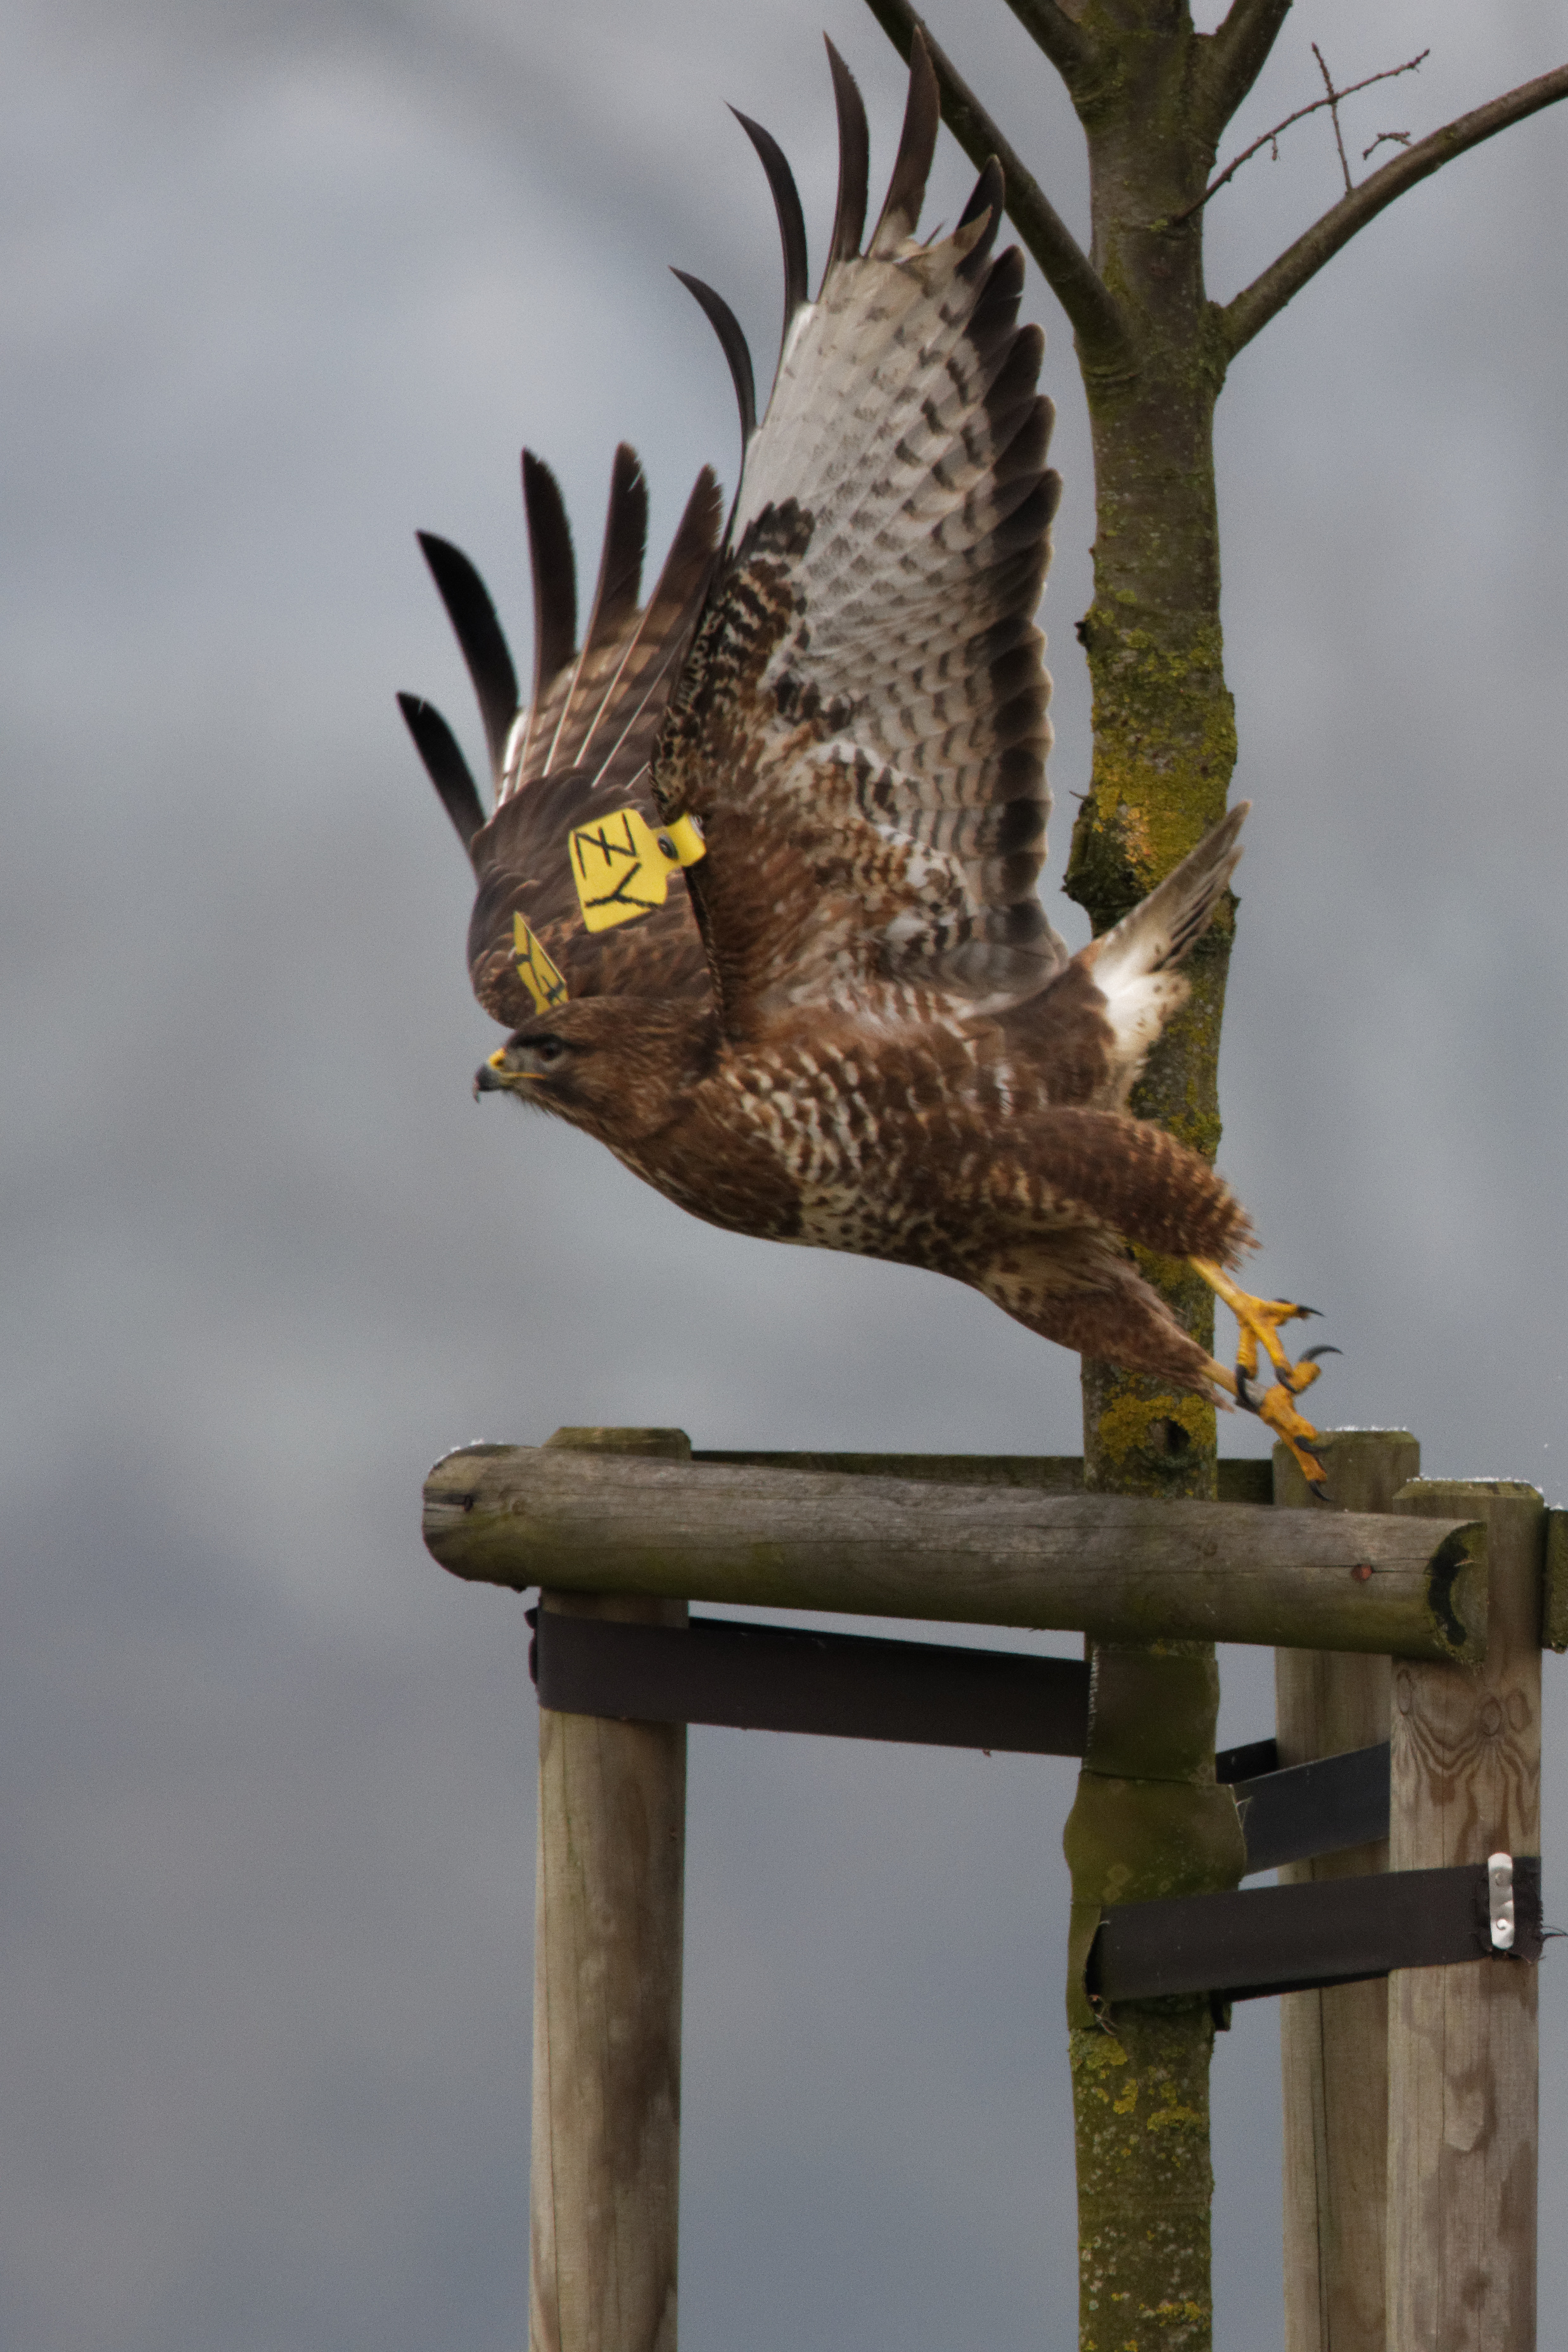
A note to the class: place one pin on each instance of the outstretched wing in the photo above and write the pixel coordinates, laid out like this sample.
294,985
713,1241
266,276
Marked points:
577,751
861,727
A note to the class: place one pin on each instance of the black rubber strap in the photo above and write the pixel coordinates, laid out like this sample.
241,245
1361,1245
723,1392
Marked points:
1319,1808
1273,1939
847,1685
855,1686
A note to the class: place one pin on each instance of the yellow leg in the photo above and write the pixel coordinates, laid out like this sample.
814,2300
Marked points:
1258,1321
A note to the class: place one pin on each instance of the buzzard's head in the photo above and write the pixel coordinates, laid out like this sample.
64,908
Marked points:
614,1065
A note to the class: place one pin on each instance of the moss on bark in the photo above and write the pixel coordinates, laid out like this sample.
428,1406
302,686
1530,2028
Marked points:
1148,1819
1139,2102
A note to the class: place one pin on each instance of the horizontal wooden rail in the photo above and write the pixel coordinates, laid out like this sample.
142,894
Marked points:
1115,1567
1241,1479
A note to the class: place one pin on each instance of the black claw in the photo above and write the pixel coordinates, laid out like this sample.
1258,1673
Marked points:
1244,1396
1311,1354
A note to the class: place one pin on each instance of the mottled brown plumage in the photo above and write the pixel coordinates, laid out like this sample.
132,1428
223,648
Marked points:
850,1024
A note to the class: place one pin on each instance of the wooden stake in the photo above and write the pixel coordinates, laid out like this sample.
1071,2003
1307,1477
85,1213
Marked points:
1462,2059
1333,2045
604,2192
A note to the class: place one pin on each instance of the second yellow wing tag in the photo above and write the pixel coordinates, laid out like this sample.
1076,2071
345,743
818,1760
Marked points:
535,970
621,866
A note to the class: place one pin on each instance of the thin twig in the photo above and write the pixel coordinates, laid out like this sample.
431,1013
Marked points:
1385,139
1253,307
1389,73
1097,321
1332,102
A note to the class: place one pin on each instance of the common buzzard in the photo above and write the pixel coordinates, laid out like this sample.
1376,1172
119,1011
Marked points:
757,900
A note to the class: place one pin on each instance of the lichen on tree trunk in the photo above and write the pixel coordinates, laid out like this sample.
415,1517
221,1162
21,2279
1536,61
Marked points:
1145,2182
1149,1820
1164,731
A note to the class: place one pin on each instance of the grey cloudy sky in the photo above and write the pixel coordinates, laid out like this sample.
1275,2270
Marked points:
285,282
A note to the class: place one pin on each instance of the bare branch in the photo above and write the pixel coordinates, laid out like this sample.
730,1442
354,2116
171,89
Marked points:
1233,56
1053,30
1332,102
1104,340
1253,307
1389,73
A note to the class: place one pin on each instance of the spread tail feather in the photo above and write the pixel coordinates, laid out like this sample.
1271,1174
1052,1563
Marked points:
1163,929
1136,966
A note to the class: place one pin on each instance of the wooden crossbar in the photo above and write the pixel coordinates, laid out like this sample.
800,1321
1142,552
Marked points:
1117,1568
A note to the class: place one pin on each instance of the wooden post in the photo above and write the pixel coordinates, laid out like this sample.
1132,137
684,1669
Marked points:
604,2191
1333,2044
1462,2060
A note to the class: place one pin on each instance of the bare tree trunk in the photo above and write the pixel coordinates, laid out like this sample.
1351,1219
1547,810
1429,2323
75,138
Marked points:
1165,744
1165,734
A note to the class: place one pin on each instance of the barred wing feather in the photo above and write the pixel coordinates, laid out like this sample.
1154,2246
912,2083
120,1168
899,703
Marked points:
861,725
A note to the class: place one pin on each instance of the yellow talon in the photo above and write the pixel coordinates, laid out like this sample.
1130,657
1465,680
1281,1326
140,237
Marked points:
1258,1328
1297,1435
1274,1406
1258,1321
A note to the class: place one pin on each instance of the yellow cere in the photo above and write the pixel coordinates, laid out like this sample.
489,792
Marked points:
621,867
535,970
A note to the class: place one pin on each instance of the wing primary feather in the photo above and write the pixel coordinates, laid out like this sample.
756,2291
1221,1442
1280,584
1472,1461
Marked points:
916,146
445,766
478,632
655,680
695,545
625,541
680,584
620,576
726,327
854,163
791,219
990,195
988,192
554,572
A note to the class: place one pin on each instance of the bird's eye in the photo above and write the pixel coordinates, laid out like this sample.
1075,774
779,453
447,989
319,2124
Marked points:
547,1049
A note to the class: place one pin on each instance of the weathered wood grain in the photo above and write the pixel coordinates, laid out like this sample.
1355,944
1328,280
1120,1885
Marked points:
1554,1603
1462,2059
1240,1478
605,2185
1120,1569
1333,2043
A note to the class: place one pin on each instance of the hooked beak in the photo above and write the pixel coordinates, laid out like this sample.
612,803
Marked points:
493,1078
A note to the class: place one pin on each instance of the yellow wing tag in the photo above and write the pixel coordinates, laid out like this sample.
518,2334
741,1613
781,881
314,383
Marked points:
623,867
535,970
